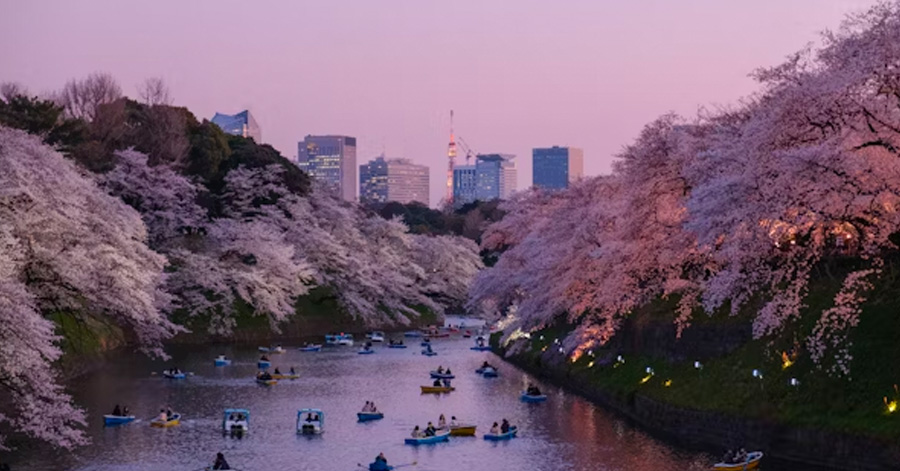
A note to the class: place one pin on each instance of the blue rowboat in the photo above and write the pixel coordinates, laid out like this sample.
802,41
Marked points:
413,333
380,467
528,398
437,438
435,374
425,344
367,416
485,348
263,349
429,353
168,375
117,419
489,373
263,364
397,346
502,436
366,352
311,348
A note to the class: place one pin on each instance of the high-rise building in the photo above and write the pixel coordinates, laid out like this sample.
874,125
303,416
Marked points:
382,180
556,167
463,184
331,159
241,124
495,176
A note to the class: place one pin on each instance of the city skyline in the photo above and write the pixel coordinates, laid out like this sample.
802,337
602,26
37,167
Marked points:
514,83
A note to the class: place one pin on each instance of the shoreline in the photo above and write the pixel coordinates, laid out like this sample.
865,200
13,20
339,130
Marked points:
785,446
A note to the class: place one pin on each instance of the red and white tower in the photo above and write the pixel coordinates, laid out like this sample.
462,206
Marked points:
451,156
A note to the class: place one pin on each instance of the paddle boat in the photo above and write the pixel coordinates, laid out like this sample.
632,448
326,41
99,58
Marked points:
267,382
110,420
393,344
276,349
533,398
437,389
502,436
367,416
436,375
440,436
236,421
172,422
462,430
285,376
263,349
483,348
345,339
310,348
429,353
489,372
222,361
310,421
174,374
263,364
367,350
377,336
331,340
751,462
425,342
467,334
412,333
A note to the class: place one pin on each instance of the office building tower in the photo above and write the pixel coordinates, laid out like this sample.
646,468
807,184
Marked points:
556,167
241,124
382,180
331,159
495,176
463,184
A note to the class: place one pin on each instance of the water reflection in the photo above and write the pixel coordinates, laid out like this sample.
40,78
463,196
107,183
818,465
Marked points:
565,433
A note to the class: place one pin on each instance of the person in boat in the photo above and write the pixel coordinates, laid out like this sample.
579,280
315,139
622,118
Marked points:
309,417
232,418
125,411
448,371
480,341
416,433
169,413
495,429
437,383
440,370
117,411
374,409
485,365
220,462
263,358
729,456
430,430
741,456
277,371
446,383
533,390
292,371
442,421
453,422
163,417
380,463
504,427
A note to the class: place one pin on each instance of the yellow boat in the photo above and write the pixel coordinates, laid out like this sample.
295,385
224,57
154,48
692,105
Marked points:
267,382
285,376
462,430
175,420
436,389
752,462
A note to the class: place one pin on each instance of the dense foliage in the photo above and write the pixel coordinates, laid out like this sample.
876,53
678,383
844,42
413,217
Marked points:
732,207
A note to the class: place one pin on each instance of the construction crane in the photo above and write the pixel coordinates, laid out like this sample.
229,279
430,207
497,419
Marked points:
467,149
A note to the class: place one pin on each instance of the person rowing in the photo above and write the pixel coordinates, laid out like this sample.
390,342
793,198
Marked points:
453,422
277,371
220,462
430,430
292,371
263,358
416,433
440,370
446,383
504,427
437,383
533,390
495,429
116,411
380,464
442,421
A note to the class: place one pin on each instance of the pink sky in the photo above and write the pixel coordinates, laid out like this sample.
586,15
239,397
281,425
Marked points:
518,73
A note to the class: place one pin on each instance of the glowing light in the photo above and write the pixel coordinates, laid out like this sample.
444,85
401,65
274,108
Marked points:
646,378
620,360
561,350
591,364
891,405
542,337
649,370
757,374
544,349
590,353
698,365
795,382
786,361
556,340
667,383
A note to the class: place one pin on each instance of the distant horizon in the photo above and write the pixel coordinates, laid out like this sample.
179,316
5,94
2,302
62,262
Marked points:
518,75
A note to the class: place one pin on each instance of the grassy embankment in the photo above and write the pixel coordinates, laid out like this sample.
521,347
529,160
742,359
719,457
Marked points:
726,383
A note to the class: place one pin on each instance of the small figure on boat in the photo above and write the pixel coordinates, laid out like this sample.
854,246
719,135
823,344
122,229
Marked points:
495,429
480,341
442,421
277,371
312,417
504,427
440,370
220,462
533,390
448,372
446,382
453,422
263,375
370,407
264,358
416,433
125,411
380,464
486,365
430,430
116,411
169,413
163,416
292,371
437,383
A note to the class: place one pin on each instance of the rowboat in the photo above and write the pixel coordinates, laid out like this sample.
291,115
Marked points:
263,349
489,372
413,333
263,364
436,389
429,353
436,438
310,348
236,421
366,351
222,361
267,382
367,416
752,462
529,398
170,375
477,348
175,420
288,376
435,374
276,349
425,343
376,336
117,419
462,430
502,436
396,345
